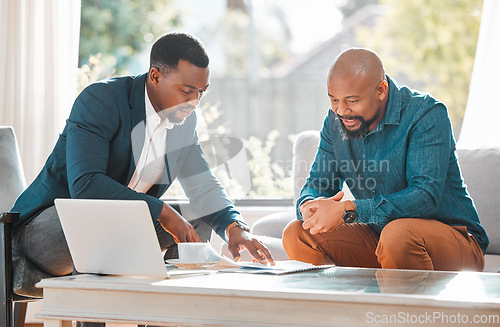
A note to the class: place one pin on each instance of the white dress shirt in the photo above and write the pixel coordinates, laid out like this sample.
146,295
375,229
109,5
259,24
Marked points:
151,163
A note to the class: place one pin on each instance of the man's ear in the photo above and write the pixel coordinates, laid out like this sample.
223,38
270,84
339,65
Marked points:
154,74
383,90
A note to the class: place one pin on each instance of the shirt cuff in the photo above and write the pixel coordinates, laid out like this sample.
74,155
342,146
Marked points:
365,210
299,203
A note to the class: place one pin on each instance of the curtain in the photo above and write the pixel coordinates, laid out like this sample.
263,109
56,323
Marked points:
482,114
38,63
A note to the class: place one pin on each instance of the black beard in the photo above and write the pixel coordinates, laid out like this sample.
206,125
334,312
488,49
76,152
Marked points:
362,131
173,119
176,121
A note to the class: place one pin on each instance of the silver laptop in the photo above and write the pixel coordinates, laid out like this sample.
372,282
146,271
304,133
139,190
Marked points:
114,237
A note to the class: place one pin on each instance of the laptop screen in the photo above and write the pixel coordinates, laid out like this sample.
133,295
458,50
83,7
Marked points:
111,237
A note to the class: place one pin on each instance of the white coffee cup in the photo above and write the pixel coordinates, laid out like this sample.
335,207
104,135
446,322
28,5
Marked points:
196,252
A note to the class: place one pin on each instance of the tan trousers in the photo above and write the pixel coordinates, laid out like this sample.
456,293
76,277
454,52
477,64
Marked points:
407,243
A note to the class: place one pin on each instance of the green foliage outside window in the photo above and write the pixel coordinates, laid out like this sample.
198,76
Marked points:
123,28
268,178
431,42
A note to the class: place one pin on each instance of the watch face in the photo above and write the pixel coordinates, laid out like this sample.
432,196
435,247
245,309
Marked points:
350,216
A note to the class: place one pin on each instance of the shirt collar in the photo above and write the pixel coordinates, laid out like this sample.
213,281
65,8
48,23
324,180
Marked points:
152,116
393,110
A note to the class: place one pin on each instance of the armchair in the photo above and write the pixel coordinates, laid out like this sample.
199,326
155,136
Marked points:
13,183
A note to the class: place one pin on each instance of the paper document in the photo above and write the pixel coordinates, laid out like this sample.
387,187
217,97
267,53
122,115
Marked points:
280,268
212,260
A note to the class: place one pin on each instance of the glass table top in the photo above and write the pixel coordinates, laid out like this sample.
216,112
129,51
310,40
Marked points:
445,285
467,287
454,286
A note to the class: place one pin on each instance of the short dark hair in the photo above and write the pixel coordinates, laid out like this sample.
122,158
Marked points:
172,47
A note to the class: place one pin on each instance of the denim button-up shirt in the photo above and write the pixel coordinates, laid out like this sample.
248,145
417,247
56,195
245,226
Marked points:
406,167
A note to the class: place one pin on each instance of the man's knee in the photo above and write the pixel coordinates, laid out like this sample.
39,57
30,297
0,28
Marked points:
399,242
396,232
395,238
406,232
291,234
292,230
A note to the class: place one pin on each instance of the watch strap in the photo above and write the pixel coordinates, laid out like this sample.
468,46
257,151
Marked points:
239,224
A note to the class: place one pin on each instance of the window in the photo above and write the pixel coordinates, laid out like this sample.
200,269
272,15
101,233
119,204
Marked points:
269,61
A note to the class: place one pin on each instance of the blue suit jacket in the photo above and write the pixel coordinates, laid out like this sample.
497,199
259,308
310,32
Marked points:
95,157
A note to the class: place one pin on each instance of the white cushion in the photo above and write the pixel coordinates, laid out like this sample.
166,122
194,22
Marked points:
492,263
481,173
304,151
272,225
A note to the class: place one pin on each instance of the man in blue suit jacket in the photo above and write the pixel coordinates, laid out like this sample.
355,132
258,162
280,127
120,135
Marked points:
105,152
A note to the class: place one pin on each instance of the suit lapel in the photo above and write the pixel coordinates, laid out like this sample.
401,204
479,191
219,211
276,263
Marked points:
138,120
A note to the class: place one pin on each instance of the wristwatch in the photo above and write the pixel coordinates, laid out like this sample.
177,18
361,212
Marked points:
350,216
239,224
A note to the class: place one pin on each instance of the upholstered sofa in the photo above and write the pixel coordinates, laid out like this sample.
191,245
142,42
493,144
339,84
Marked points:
480,169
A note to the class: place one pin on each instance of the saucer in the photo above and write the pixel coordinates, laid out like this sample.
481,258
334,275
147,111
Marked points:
190,265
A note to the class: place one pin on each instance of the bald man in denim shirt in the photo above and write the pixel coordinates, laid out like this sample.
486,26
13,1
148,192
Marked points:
395,150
